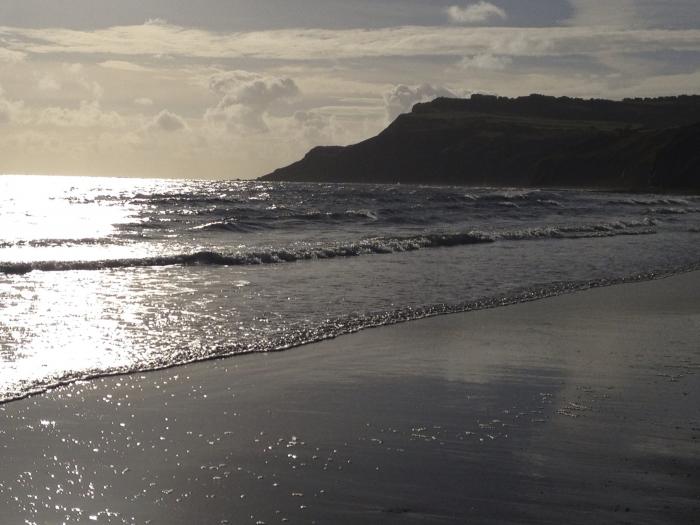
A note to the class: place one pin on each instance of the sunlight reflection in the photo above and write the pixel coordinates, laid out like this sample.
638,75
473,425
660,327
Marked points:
244,291
72,218
74,323
61,325
36,209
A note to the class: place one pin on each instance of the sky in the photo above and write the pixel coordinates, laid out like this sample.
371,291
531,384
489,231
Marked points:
236,88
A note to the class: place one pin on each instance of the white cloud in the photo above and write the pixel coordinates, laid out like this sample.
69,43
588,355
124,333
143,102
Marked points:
475,13
486,61
94,88
342,75
156,22
75,68
246,97
236,117
314,126
402,98
223,82
89,115
122,65
72,76
8,55
48,83
167,121
310,44
251,88
9,109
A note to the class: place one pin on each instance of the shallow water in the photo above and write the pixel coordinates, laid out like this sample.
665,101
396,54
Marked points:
99,276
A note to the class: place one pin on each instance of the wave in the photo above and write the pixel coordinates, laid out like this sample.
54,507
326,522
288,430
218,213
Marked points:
229,225
514,194
256,219
376,245
669,210
304,334
191,199
53,243
366,214
651,201
550,202
317,215
149,224
602,229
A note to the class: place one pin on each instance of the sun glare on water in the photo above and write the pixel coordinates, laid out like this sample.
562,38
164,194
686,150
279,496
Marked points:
59,218
36,208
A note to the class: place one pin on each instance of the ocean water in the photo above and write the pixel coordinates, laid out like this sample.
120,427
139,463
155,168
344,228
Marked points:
102,276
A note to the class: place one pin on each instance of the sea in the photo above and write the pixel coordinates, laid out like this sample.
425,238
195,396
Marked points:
104,276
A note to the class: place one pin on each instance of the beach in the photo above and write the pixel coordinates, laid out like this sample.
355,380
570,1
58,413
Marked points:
363,262
579,408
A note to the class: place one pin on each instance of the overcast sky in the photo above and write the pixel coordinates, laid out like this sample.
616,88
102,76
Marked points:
236,88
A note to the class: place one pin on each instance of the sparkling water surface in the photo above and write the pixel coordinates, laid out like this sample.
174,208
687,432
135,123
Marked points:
100,276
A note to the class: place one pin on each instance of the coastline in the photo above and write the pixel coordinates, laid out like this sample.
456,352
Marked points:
389,318
574,408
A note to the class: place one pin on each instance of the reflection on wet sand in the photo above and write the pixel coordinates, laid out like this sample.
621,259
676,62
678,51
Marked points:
570,409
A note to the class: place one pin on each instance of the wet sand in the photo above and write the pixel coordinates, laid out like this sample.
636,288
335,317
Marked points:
582,408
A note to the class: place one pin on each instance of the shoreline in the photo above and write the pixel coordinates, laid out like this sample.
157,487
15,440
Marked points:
574,408
396,317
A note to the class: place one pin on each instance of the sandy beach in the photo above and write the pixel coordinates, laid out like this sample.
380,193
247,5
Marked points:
580,408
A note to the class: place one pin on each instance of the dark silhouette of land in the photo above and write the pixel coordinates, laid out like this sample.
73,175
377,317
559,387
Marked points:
650,144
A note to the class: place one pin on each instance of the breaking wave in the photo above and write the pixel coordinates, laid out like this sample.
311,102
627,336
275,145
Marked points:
52,243
330,328
376,245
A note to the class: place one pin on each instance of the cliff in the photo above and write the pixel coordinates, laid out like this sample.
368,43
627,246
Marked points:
633,144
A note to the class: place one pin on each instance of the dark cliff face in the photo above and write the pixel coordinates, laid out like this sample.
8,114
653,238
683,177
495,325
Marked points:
639,144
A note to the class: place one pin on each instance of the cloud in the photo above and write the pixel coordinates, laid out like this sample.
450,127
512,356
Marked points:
314,126
251,88
236,117
402,98
10,56
122,65
9,109
73,76
224,82
48,83
166,121
94,88
246,97
88,115
475,13
342,75
324,44
74,69
156,22
486,61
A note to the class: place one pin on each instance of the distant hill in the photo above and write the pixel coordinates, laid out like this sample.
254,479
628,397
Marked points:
634,144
